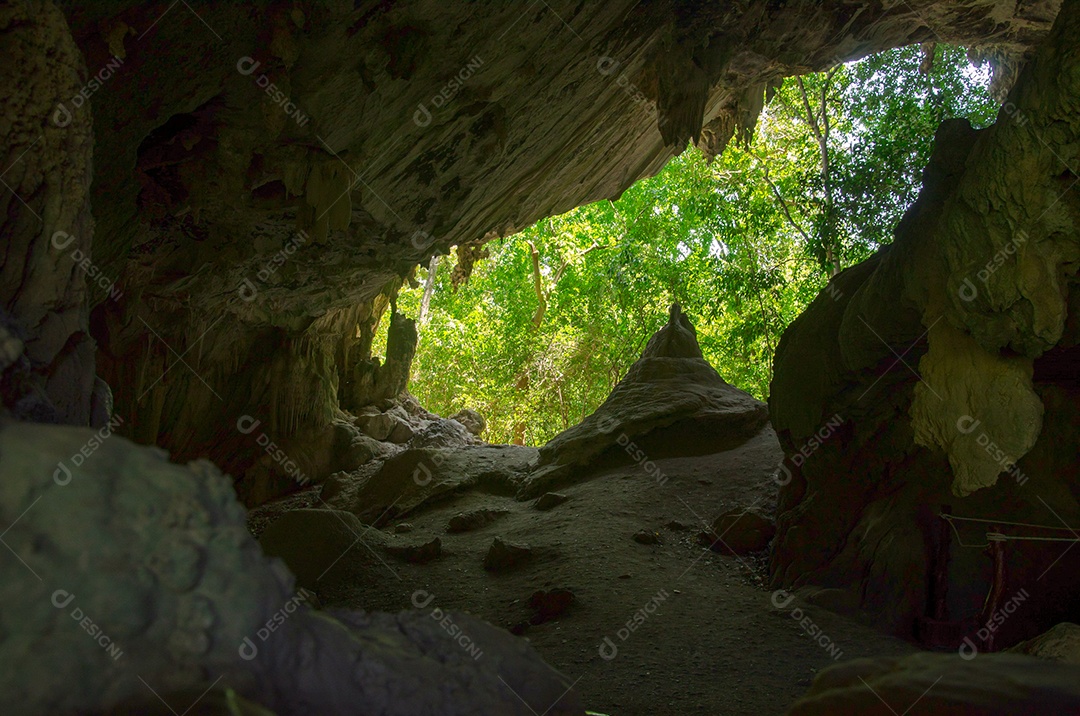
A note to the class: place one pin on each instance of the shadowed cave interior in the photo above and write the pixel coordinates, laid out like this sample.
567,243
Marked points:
219,494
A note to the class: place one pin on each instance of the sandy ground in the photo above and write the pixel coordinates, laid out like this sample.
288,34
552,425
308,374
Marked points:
703,637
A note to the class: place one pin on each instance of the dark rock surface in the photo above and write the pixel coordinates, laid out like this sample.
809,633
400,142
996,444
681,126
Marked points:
940,377
550,604
504,555
415,477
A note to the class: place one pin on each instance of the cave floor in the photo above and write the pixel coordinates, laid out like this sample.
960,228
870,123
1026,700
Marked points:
711,641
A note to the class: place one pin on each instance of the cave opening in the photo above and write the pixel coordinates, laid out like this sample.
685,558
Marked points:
577,358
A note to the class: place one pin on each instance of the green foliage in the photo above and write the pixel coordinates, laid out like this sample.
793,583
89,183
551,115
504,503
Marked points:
716,238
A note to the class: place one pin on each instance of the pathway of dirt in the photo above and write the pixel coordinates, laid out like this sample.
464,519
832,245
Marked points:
689,631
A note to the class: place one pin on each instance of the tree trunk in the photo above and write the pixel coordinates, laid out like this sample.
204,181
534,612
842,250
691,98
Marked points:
429,289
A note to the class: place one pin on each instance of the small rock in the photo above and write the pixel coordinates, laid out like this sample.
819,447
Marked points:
474,519
403,527
625,576
503,555
647,537
740,531
549,500
417,553
550,604
676,526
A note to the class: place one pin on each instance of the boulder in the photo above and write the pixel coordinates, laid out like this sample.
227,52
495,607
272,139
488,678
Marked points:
415,477
647,537
403,432
439,433
163,566
670,403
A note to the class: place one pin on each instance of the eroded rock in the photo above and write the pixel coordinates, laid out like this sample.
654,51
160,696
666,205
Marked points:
416,477
163,566
934,378
670,403
237,225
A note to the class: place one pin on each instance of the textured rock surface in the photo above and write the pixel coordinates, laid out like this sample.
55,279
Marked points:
45,221
259,238
179,594
422,475
473,421
991,685
671,402
940,375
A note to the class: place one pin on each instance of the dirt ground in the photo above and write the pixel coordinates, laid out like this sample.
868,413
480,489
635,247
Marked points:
699,631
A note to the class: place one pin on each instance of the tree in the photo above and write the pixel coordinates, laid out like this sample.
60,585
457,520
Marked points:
553,318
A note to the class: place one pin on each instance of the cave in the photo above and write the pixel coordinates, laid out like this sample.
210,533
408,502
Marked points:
218,495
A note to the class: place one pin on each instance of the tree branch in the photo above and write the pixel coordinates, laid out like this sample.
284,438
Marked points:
780,198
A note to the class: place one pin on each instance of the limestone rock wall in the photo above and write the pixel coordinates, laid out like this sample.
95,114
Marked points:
266,174
941,375
47,277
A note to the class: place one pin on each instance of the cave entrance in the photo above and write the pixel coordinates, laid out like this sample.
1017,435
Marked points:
534,330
